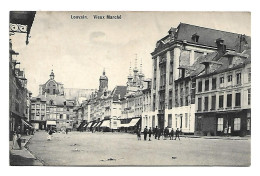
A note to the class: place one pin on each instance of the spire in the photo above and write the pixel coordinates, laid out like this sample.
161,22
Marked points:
141,66
52,74
130,69
135,69
104,72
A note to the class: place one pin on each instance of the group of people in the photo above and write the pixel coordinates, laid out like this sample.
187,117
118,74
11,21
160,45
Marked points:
157,132
17,141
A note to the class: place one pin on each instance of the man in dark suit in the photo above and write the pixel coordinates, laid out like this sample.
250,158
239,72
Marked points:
177,134
145,133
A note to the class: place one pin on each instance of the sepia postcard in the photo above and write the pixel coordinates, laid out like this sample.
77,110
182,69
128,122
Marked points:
129,88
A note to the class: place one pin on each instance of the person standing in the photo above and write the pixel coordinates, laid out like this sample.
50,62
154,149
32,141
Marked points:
19,135
177,134
15,143
171,134
150,133
145,133
49,134
159,133
139,134
155,132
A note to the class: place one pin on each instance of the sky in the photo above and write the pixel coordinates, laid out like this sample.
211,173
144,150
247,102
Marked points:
79,50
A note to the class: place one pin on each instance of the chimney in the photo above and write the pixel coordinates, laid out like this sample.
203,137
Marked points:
221,47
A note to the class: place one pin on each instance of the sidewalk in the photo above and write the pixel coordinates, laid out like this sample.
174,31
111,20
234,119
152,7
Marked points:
22,157
219,137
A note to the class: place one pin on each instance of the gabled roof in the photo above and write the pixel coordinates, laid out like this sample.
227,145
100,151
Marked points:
57,100
207,36
220,64
118,92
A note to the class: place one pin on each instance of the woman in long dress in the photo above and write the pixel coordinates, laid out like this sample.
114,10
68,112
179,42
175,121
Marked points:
15,143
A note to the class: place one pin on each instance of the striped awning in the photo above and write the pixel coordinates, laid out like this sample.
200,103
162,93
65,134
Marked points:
26,123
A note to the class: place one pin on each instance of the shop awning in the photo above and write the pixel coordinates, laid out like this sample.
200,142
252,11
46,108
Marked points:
51,123
89,125
133,122
124,125
26,123
96,124
99,123
106,123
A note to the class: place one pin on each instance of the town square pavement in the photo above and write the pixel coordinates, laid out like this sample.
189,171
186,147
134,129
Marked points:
111,149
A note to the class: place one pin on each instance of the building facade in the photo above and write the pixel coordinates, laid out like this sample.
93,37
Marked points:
173,86
223,95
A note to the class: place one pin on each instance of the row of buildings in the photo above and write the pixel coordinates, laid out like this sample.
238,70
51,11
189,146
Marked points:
19,95
201,83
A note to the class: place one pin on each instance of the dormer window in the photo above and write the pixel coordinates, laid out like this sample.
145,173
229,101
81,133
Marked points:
195,38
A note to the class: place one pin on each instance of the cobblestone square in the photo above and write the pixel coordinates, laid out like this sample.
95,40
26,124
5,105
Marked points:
88,149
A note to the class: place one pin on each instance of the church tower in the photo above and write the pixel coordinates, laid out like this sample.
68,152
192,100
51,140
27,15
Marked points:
103,82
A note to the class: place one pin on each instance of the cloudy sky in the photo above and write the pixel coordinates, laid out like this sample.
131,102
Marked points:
78,50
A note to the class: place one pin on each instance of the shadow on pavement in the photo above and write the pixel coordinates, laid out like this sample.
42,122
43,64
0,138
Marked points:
17,160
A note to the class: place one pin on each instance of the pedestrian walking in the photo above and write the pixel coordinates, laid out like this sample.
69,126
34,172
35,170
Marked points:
166,133
15,143
67,130
145,133
150,133
19,135
156,132
159,132
177,134
50,132
171,134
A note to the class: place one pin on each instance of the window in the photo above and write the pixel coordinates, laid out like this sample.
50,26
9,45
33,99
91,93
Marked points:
248,124
170,99
195,38
37,106
48,90
53,91
200,86
206,85
238,78
181,102
169,120
214,82
249,96
186,100
176,120
221,80
249,75
206,103
180,120
229,100
229,78
237,122
153,121
238,99
213,102
186,120
220,101
199,104
42,117
220,124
